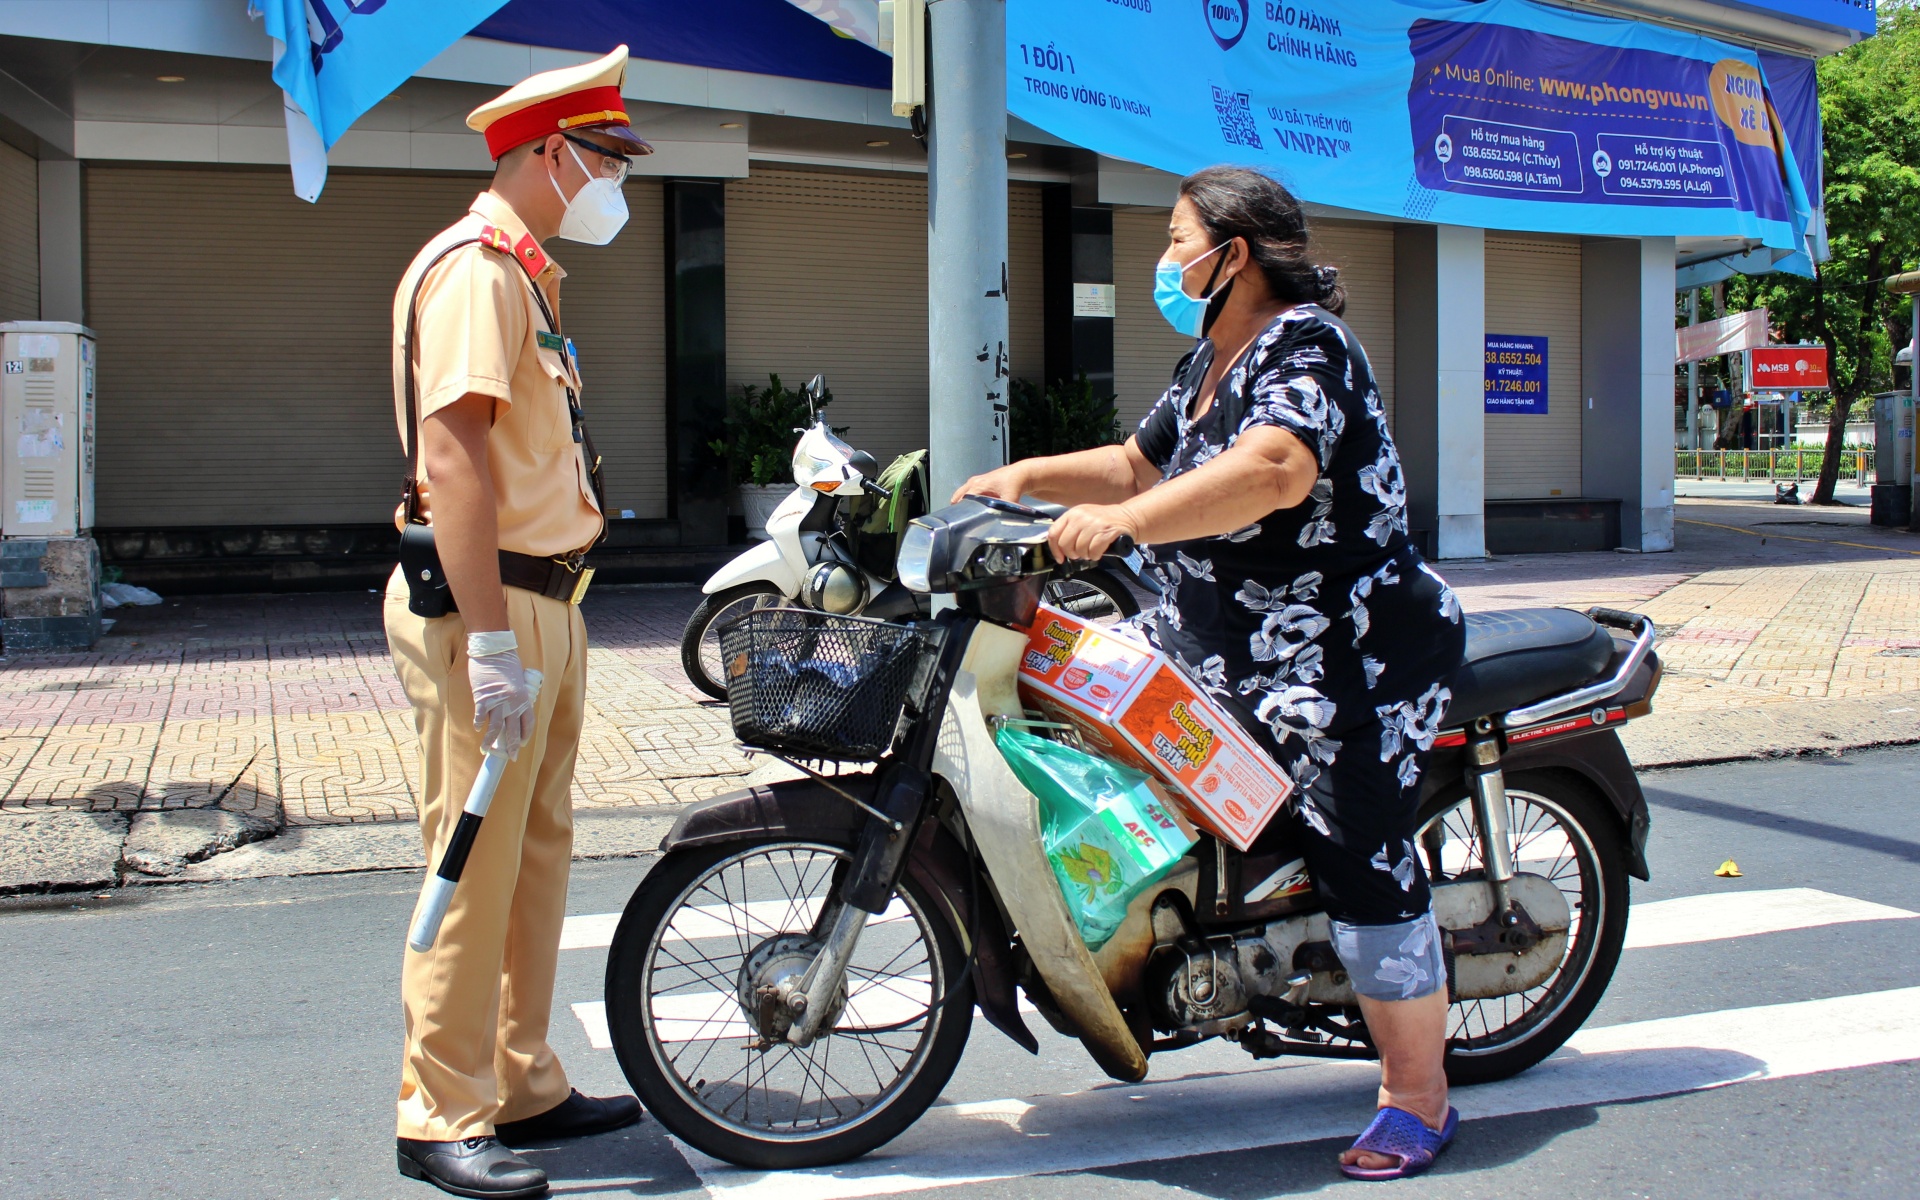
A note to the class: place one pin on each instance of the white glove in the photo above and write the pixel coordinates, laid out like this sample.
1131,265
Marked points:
502,700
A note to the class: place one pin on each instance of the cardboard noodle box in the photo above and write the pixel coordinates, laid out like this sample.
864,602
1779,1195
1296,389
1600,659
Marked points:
1133,705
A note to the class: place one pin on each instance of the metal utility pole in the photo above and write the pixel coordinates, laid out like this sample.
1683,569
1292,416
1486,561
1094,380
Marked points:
967,241
1907,283
1693,376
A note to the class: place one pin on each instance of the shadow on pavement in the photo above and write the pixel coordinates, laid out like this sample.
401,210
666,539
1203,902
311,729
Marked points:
636,1161
1310,1166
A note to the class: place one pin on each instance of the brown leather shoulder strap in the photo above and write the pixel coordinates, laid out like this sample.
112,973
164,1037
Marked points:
410,491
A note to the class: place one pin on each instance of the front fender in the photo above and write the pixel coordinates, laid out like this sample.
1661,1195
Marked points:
761,562
791,808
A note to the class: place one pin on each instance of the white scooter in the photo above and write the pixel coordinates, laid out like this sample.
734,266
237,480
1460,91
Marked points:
823,552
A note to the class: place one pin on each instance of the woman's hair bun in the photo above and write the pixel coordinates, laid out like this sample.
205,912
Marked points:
1240,202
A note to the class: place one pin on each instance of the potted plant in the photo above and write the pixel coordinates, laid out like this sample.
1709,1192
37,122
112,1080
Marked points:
1063,417
761,427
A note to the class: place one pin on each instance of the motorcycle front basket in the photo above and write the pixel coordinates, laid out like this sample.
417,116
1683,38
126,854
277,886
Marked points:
810,685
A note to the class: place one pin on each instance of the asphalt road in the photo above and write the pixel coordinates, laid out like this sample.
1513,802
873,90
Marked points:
242,1041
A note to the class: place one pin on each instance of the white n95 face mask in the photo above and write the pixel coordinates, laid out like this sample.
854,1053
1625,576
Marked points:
596,212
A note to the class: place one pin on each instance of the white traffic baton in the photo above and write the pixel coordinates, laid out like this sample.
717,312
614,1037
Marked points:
438,892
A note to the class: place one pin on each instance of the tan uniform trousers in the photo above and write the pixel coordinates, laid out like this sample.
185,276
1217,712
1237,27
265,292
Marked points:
478,1003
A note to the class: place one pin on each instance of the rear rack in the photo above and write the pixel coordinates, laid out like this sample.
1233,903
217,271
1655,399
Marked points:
1642,629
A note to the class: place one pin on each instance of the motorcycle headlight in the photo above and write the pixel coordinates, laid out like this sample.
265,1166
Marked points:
916,556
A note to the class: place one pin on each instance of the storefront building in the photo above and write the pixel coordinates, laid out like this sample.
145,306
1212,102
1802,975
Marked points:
245,435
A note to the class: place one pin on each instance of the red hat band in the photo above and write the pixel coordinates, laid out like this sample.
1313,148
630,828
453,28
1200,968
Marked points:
576,110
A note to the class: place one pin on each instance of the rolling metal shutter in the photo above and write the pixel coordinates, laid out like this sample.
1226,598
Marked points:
614,307
1026,317
827,273
1146,348
1533,288
19,236
1364,254
244,361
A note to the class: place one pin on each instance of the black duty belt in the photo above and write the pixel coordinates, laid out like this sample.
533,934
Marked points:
557,579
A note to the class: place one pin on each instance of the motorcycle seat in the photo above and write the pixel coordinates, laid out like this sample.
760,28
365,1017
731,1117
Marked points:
1516,656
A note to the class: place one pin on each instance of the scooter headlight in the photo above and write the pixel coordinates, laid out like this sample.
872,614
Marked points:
915,558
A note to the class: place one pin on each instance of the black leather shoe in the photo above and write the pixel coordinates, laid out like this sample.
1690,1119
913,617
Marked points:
475,1166
576,1116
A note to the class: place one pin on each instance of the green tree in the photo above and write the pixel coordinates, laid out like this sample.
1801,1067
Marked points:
1870,110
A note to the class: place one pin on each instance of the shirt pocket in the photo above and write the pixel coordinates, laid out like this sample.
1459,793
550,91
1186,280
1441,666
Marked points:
549,424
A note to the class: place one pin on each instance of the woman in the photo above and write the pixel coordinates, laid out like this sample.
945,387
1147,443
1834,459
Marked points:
1266,495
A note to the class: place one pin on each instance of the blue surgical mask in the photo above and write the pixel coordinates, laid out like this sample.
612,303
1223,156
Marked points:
1182,311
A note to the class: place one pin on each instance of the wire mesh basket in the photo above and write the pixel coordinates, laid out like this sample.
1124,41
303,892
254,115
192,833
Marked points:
816,686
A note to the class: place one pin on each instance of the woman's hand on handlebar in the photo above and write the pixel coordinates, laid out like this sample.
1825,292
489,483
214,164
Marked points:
1004,483
1086,531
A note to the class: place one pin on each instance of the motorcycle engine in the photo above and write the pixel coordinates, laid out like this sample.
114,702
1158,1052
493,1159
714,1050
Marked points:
1202,991
836,588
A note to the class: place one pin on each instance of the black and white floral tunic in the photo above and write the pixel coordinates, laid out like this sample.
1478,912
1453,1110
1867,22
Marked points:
1319,626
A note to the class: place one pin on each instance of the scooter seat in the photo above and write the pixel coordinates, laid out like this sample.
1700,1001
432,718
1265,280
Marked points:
1516,656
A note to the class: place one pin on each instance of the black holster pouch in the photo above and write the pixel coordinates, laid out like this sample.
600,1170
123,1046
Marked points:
428,594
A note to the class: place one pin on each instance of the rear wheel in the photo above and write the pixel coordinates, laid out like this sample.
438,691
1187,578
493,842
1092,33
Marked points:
700,641
707,930
1565,832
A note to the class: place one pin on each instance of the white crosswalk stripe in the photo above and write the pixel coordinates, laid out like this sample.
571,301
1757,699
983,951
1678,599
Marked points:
1680,921
1274,1106
1674,922
1299,1101
595,930
1745,914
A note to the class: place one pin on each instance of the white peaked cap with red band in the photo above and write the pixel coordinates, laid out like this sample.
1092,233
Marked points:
566,100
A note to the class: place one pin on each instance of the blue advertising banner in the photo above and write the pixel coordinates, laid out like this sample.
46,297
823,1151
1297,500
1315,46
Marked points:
767,37
1504,114
1516,373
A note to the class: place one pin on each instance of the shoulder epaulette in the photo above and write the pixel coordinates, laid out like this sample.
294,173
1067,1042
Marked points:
526,250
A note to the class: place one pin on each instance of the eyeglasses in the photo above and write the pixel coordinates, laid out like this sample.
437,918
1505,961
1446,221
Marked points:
613,165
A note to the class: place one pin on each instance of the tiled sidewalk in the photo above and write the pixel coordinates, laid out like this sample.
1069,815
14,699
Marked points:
287,706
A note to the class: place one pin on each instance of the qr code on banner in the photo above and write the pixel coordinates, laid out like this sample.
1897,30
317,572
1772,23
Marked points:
1235,110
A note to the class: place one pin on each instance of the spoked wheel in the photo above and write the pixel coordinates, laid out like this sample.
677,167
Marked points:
1565,833
697,954
700,641
1095,595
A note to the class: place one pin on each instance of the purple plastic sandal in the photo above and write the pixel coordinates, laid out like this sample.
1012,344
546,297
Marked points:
1397,1133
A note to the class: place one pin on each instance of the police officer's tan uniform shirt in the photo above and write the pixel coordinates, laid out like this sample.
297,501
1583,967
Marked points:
478,332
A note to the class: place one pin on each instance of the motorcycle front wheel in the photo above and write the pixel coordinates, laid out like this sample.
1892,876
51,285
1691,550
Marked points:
688,980
1095,595
1563,830
700,640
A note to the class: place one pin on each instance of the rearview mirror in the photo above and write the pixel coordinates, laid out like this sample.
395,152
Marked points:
815,388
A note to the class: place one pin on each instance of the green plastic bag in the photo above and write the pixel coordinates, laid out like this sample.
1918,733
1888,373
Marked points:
1107,835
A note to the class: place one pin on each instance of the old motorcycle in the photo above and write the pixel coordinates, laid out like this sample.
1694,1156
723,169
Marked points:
793,982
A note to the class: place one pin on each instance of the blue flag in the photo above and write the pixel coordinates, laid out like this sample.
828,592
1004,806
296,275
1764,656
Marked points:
335,59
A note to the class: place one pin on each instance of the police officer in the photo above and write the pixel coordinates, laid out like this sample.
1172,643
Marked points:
487,387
